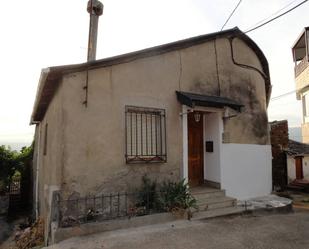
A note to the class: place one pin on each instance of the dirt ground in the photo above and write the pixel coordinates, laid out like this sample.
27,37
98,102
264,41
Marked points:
5,229
277,231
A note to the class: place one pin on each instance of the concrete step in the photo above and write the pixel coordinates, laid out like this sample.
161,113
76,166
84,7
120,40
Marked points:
217,212
202,189
295,188
208,195
217,202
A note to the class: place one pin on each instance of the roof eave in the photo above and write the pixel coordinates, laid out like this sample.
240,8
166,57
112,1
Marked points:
44,74
299,37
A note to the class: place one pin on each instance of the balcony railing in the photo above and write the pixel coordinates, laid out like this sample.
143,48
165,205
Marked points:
300,67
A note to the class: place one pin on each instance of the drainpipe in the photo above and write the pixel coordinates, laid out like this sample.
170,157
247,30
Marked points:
37,173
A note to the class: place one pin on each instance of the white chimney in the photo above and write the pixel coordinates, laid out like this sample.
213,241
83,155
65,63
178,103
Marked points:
95,9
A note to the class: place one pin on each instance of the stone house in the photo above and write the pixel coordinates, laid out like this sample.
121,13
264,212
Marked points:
193,109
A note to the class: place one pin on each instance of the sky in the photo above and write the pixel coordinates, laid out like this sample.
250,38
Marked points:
36,34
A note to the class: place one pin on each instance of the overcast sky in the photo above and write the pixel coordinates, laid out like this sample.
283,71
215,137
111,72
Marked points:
40,33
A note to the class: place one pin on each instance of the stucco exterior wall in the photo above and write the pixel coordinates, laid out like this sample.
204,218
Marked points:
49,166
247,87
97,164
34,172
86,146
306,167
291,169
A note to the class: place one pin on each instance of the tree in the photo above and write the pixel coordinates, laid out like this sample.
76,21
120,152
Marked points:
12,162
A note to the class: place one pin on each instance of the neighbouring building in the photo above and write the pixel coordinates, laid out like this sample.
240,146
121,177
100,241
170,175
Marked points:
300,57
290,159
279,137
298,162
194,109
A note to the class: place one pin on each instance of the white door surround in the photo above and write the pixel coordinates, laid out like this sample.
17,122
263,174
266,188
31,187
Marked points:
243,170
204,112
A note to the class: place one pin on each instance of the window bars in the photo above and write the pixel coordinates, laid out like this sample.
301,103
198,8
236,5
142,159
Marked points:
145,135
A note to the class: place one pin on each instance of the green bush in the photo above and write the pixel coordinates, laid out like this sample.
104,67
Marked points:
168,196
147,194
14,165
176,195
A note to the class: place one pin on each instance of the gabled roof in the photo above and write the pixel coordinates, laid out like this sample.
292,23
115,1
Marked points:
50,78
297,148
193,99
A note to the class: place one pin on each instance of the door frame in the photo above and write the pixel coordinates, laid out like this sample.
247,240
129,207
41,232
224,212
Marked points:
185,156
196,129
301,168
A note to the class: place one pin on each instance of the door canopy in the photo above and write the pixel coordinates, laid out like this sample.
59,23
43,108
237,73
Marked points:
193,99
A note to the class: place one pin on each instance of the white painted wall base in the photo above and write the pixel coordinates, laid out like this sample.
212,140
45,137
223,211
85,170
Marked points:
292,168
184,115
213,128
246,170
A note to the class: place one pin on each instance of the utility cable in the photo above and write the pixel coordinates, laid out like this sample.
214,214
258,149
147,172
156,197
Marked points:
231,15
275,13
282,105
282,95
259,26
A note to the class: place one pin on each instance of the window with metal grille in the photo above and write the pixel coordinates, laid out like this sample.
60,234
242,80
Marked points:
145,135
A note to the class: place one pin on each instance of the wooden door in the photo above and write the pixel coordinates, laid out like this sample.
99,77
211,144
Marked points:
195,151
299,167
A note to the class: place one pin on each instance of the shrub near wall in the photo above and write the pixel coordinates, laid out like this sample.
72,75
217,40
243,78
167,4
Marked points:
168,196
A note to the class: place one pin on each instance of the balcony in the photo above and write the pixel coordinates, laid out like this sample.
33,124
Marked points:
300,57
301,66
301,77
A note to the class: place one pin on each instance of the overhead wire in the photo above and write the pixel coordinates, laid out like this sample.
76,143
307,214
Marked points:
264,23
284,13
283,95
275,13
231,15
282,104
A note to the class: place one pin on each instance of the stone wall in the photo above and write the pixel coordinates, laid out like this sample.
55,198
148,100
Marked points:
279,136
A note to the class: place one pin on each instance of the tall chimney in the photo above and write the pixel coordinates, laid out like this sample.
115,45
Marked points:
95,9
